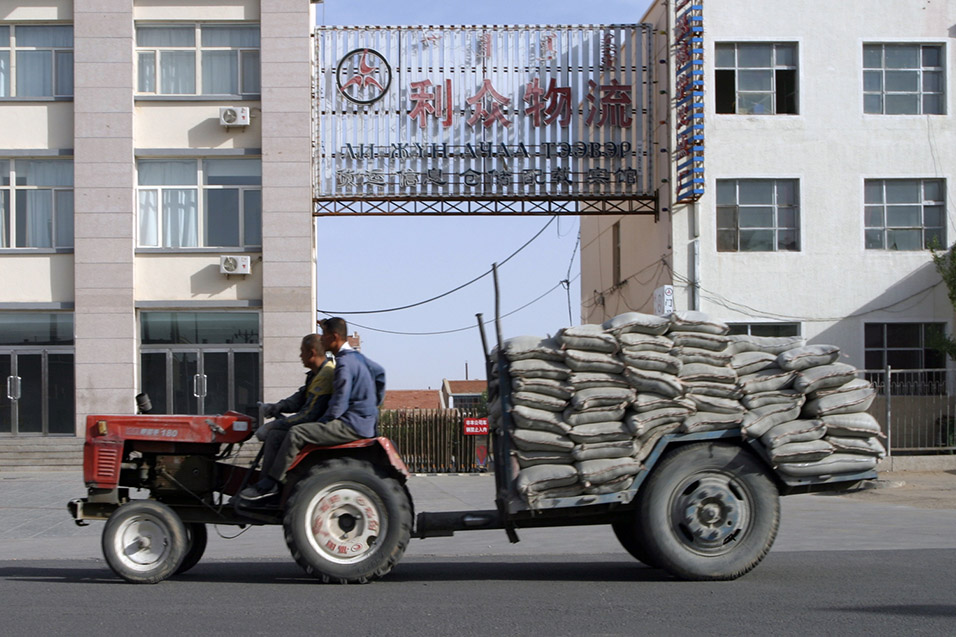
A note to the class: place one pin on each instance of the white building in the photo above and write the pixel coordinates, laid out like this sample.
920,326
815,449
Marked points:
121,190
827,164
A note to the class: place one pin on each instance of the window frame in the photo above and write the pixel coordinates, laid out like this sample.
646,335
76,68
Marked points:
921,69
775,68
13,49
776,207
13,193
197,48
747,328
200,187
926,236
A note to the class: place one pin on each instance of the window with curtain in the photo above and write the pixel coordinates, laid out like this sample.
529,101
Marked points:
36,60
203,59
195,203
36,203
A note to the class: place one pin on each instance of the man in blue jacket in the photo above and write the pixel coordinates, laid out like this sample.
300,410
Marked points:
358,388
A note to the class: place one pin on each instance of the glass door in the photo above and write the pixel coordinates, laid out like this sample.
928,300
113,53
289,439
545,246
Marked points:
38,392
201,380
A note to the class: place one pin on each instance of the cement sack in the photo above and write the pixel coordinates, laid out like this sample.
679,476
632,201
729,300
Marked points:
793,431
538,368
538,401
769,379
581,360
853,385
823,377
577,418
550,387
693,321
602,450
590,338
608,431
697,355
647,401
801,358
614,486
637,322
850,402
699,372
641,423
809,451
751,362
790,397
757,422
857,425
653,361
648,342
770,344
834,464
524,347
654,382
710,421
534,440
592,472
587,380
699,340
532,458
704,402
864,446
709,388
645,444
604,398
539,419
546,476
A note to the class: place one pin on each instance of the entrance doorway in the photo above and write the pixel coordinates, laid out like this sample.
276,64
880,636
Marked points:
38,391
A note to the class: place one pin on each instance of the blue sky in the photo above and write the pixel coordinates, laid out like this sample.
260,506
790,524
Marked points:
374,263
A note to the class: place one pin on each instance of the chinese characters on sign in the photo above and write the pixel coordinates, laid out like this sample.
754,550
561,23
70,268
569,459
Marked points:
482,112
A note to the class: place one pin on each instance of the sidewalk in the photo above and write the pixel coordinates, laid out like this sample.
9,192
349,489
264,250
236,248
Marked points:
899,510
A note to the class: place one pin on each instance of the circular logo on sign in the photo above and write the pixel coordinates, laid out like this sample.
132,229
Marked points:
363,76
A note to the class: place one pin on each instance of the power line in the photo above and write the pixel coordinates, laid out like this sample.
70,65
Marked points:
444,294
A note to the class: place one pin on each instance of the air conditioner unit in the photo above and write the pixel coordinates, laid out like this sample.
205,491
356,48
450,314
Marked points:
230,264
234,115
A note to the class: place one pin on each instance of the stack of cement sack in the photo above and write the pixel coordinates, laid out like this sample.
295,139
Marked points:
589,405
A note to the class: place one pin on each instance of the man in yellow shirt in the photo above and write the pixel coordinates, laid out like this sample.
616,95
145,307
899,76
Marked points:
306,405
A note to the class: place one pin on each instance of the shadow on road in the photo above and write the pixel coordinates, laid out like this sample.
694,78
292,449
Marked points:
410,571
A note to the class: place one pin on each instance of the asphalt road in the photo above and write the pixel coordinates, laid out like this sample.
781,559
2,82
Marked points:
791,593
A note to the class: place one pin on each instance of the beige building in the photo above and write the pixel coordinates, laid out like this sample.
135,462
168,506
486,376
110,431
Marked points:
825,156
149,150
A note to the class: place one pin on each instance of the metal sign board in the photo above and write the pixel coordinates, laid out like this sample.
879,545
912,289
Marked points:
429,115
689,51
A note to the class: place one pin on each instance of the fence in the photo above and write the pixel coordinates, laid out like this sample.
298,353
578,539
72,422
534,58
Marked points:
916,410
434,440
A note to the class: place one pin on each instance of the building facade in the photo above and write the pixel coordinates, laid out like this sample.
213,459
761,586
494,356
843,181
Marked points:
820,138
141,145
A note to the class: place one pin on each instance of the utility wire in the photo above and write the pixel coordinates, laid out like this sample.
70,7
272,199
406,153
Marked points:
444,294
460,329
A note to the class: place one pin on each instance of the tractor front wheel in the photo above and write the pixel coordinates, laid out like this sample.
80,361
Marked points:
144,541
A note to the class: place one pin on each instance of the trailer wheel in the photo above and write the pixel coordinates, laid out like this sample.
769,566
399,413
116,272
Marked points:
144,541
196,539
630,534
710,512
347,522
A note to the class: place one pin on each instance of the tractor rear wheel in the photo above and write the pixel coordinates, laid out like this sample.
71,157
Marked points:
144,541
347,522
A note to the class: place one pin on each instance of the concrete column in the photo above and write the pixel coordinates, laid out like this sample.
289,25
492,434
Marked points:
288,250
104,211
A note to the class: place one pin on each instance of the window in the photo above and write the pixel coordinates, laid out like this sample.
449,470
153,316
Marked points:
190,203
756,78
904,214
901,79
758,215
765,329
198,59
36,203
905,346
36,60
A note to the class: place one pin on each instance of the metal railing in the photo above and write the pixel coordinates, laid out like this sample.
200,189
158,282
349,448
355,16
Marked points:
916,409
434,440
